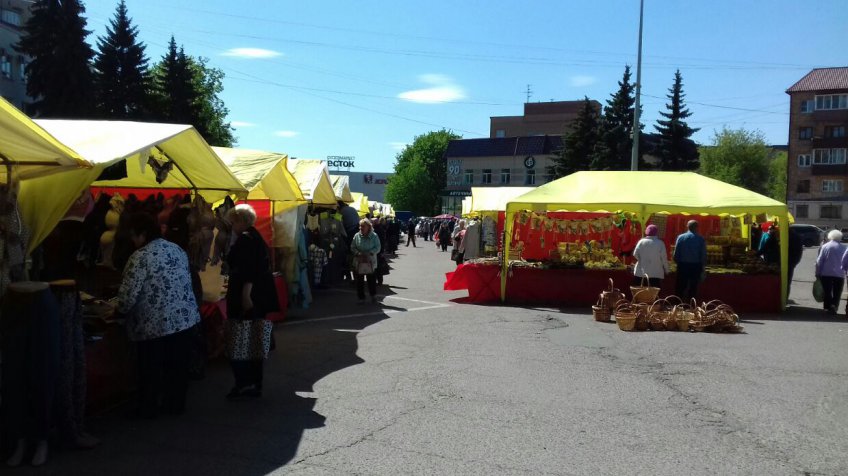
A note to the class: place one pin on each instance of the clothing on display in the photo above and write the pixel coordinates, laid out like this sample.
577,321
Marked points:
317,261
490,234
71,384
14,238
471,242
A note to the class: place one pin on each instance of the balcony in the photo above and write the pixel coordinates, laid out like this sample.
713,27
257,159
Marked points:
829,142
838,170
830,115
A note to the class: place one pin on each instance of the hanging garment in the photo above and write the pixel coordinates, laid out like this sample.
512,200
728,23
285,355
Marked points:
471,242
71,383
317,261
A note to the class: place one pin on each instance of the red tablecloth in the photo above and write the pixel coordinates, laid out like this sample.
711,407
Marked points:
580,287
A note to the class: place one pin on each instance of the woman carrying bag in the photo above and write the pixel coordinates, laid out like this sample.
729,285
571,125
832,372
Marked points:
364,249
251,295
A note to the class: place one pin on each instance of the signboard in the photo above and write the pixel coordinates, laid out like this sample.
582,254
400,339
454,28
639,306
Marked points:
340,161
454,172
369,179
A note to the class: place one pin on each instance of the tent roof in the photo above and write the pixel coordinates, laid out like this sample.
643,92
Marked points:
105,143
360,203
671,192
263,174
491,199
33,150
341,187
314,180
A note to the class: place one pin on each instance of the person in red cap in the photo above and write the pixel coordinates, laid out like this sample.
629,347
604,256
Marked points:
651,258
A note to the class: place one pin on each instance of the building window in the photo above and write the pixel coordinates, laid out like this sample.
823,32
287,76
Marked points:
802,211
828,156
10,17
804,160
834,131
530,178
487,176
469,177
805,133
500,133
831,185
5,66
830,211
505,176
832,101
22,68
808,105
803,186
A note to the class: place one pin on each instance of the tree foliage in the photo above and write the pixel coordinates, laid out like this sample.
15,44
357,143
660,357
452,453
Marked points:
186,91
777,176
675,149
739,157
613,149
578,144
420,173
59,76
121,70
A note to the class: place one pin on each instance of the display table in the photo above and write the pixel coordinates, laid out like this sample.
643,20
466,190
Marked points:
580,287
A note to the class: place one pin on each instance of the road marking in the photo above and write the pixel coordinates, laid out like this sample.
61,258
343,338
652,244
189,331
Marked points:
367,314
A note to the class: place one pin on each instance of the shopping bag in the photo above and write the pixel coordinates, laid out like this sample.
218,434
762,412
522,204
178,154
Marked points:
818,291
363,265
248,339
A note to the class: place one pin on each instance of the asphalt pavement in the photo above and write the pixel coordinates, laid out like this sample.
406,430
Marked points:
424,384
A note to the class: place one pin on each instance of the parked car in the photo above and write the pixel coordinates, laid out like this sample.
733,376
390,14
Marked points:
811,235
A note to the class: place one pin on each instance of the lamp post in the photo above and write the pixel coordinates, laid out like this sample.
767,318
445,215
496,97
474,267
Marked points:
634,157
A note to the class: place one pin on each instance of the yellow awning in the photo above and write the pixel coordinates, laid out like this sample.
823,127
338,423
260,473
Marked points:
341,187
646,193
360,203
494,199
314,181
31,149
466,207
263,174
105,143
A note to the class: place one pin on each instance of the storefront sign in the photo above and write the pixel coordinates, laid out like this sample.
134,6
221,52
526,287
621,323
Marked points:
369,179
340,161
454,172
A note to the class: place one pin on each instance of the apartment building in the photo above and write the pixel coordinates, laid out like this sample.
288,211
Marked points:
540,118
13,15
817,169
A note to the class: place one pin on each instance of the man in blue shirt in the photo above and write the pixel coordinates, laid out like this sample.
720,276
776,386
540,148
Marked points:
690,254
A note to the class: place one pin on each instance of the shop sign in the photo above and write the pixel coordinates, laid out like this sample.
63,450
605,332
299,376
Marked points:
340,161
369,179
455,193
454,172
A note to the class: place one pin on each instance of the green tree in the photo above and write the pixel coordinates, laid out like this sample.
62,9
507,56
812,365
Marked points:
59,76
420,173
739,157
578,144
121,73
613,149
186,91
675,149
777,176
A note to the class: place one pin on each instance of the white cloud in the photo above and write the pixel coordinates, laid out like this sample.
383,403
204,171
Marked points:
251,53
398,145
443,89
287,134
581,81
242,124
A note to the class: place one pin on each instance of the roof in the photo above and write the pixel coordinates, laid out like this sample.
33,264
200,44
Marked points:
504,146
491,199
341,186
263,174
314,180
33,150
648,192
556,107
822,79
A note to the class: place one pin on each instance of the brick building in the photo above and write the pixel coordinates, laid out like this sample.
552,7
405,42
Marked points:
540,118
817,168
13,15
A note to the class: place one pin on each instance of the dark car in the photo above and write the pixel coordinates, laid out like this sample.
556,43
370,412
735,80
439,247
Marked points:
811,235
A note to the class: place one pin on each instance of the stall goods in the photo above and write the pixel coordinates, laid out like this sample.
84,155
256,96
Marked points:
625,315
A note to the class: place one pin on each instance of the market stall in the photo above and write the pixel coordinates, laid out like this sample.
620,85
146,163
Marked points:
341,187
588,219
360,203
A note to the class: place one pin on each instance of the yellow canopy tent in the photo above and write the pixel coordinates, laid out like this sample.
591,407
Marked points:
314,181
106,143
646,193
263,174
494,199
30,153
341,187
360,203
466,207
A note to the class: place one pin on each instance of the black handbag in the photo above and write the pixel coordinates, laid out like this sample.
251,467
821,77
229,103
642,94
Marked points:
455,254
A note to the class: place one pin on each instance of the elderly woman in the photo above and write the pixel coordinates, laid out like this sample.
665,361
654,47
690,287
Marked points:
444,236
651,258
458,237
157,298
829,269
364,248
251,293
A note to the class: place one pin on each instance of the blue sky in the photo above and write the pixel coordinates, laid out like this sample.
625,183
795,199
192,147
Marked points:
319,78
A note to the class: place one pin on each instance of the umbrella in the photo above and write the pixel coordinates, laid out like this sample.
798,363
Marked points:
445,217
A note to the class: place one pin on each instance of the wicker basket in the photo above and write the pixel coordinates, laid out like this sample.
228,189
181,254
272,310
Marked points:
685,313
642,316
601,312
661,316
625,316
644,293
611,296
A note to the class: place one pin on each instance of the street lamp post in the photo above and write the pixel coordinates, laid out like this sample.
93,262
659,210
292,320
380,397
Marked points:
634,158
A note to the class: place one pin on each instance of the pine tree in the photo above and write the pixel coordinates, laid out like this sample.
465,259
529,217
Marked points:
121,74
675,149
613,149
59,75
578,144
